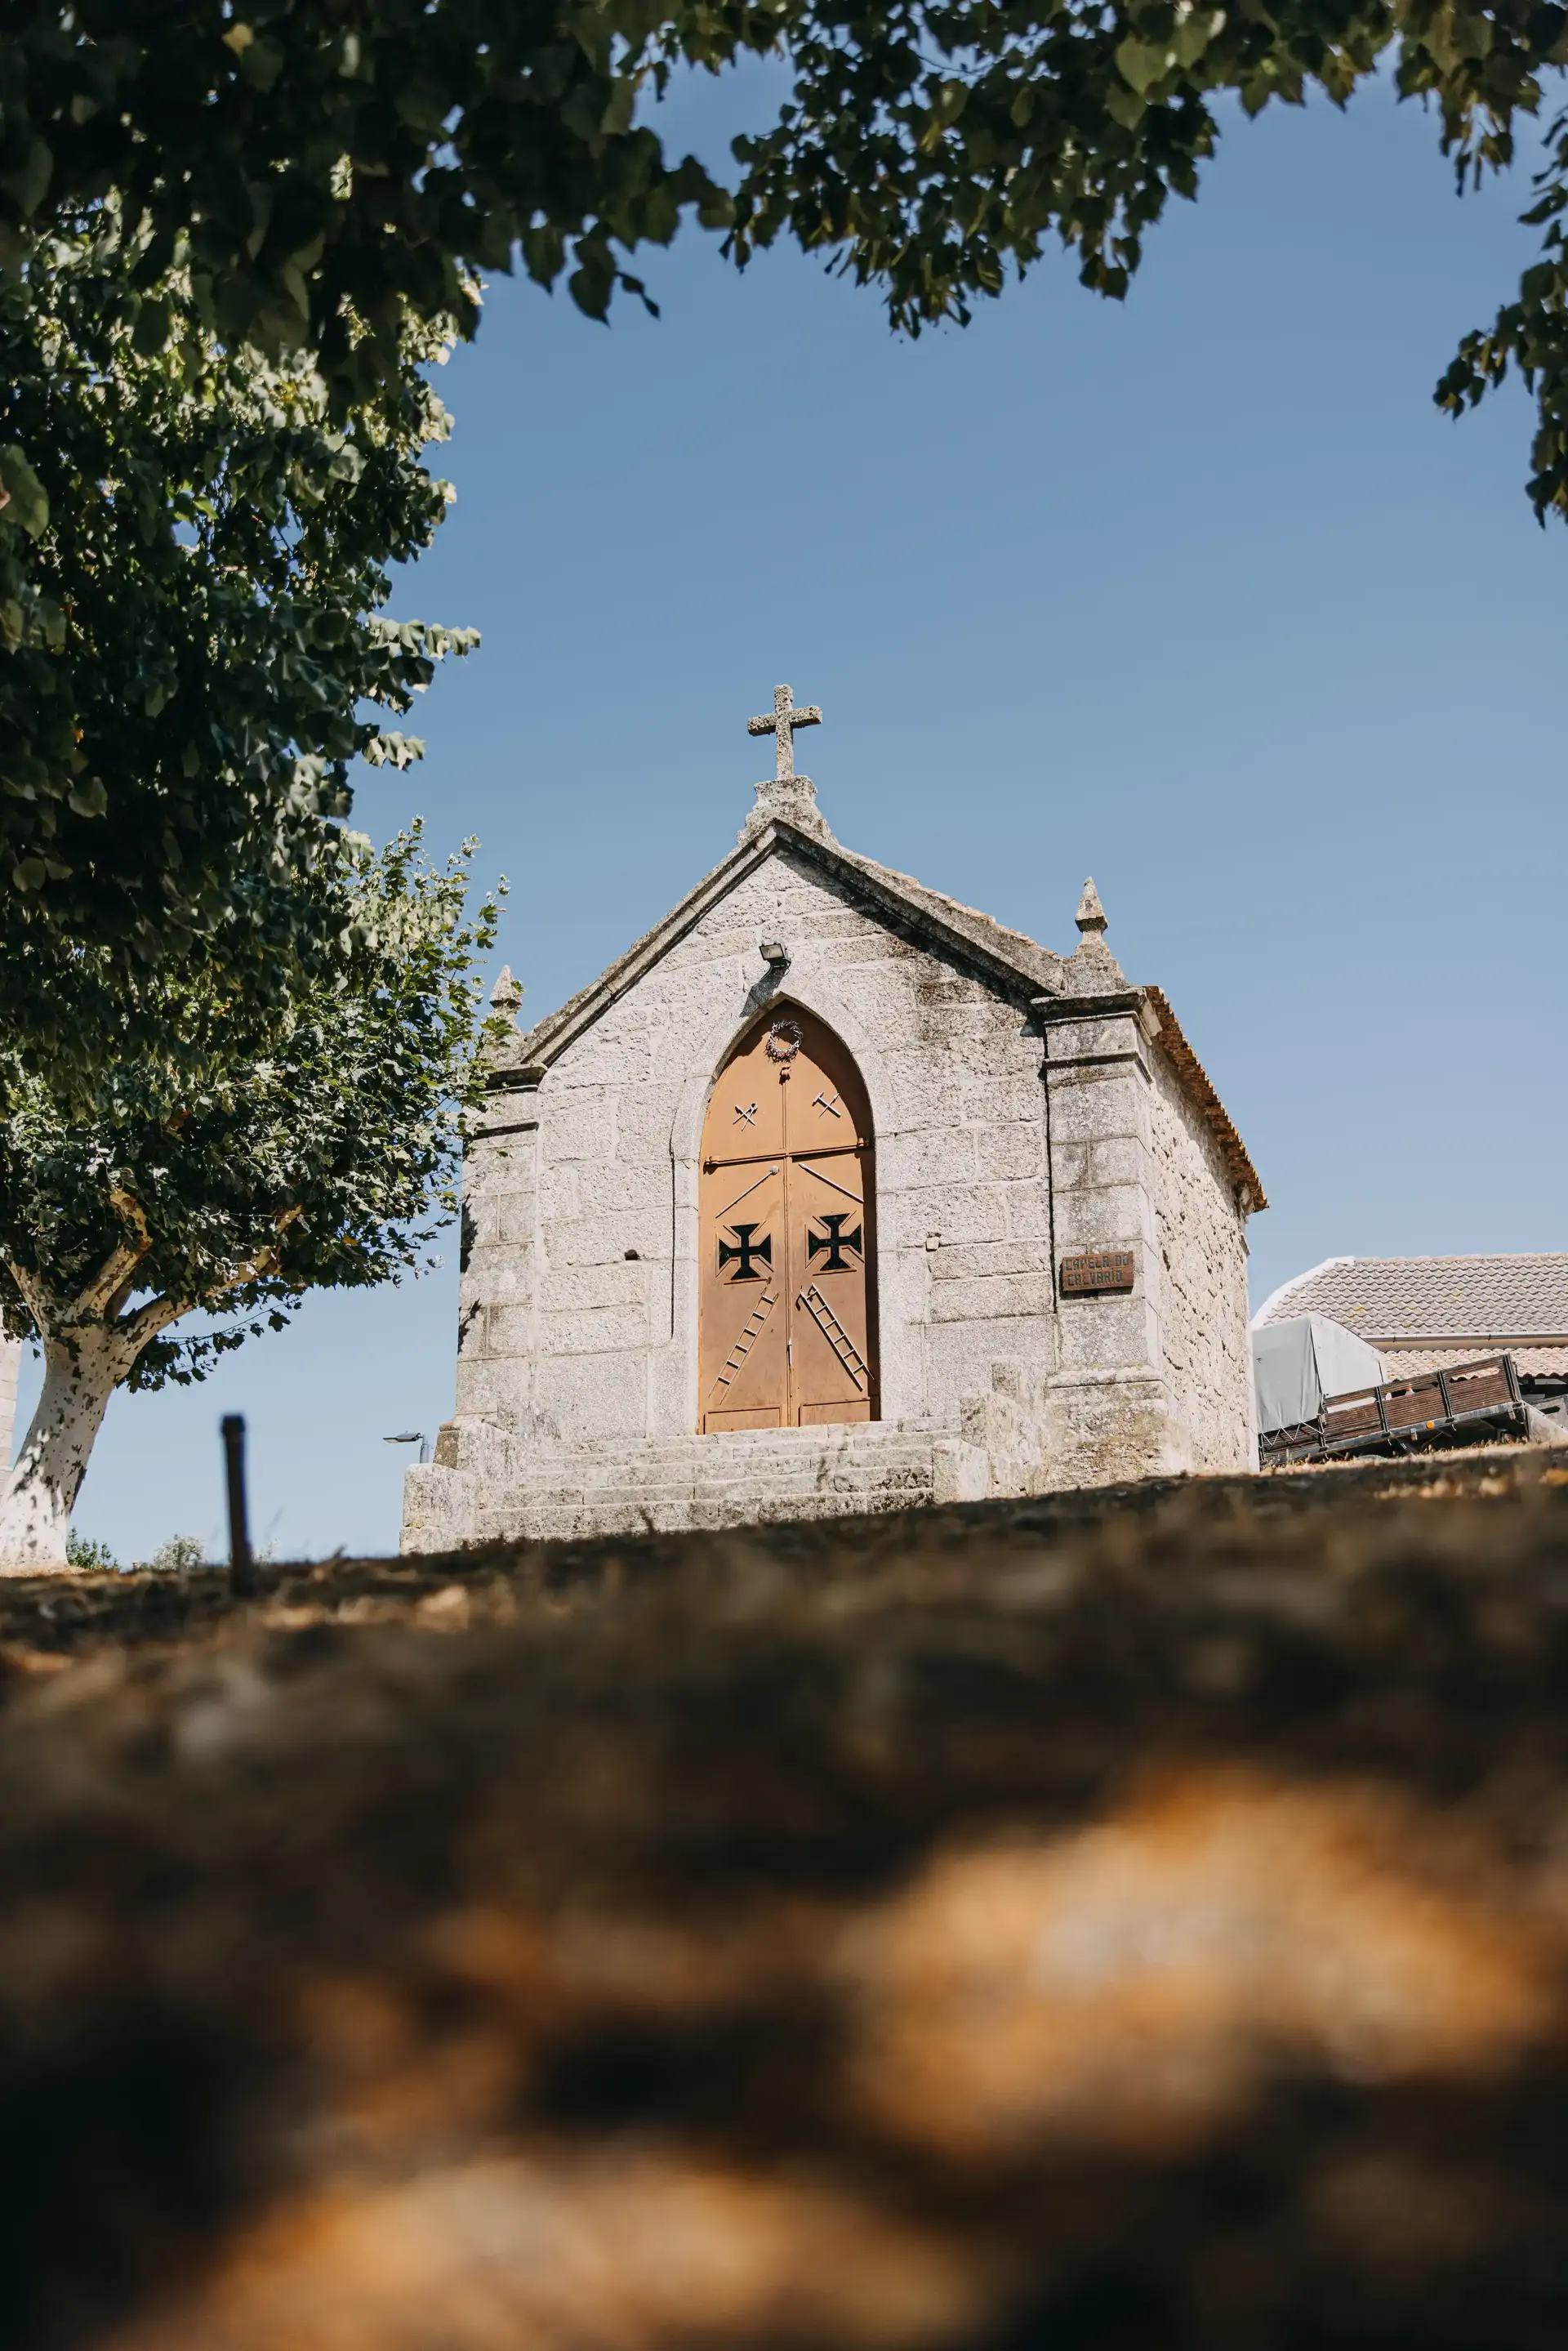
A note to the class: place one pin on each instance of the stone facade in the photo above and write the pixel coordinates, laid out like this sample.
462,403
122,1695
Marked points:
1026,1106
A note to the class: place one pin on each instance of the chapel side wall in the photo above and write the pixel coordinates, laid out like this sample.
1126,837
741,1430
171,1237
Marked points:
476,1449
1110,1412
1203,1248
569,1338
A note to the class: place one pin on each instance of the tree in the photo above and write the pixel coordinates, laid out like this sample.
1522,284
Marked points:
317,1148
194,558
327,165
232,232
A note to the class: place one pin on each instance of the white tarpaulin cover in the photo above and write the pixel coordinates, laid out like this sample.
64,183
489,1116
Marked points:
1295,1365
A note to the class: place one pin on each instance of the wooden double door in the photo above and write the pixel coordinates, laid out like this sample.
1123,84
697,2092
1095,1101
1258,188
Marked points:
787,1295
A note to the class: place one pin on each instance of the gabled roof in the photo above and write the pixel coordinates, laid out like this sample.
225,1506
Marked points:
1005,958
1017,966
1433,1301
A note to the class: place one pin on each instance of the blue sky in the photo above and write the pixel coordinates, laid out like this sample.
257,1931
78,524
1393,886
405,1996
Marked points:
1197,594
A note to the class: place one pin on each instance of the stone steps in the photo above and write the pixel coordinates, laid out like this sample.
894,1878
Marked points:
869,1437
745,1475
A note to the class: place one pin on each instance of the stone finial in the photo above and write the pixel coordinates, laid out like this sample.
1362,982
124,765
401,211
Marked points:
1092,969
784,793
507,995
1091,915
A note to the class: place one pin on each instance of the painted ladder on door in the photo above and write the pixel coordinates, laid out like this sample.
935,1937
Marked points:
743,1347
837,1336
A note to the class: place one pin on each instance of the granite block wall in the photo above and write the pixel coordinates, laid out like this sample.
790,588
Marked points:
579,1313
1202,1240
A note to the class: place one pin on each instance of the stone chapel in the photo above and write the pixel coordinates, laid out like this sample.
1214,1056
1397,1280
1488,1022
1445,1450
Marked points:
833,1195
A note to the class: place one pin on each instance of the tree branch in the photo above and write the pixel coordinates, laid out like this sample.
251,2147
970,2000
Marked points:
258,1268
149,1320
158,1312
111,1285
32,1296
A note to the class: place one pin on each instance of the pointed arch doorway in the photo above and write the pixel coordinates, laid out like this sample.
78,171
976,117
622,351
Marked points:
787,1303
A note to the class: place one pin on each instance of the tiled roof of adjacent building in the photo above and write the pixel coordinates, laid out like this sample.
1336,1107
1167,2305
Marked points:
1434,1302
1530,1362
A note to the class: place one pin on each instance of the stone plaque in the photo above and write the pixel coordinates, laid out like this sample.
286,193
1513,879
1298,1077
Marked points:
1097,1269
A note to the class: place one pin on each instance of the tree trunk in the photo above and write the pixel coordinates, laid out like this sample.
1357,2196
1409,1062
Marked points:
79,1376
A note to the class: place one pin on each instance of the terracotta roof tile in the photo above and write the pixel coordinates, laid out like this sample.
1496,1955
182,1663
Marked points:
1200,1088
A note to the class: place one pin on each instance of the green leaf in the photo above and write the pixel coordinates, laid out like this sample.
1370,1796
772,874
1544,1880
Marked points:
28,184
153,327
615,120
26,503
1193,34
590,287
261,62
1126,107
1143,63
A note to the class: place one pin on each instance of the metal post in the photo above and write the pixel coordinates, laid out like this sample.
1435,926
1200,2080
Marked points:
241,1567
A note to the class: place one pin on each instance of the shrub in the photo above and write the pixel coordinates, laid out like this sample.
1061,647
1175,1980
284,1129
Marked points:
178,1556
95,1557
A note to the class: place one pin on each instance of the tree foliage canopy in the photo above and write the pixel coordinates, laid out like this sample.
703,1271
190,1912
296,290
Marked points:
315,1147
194,553
271,1147
323,162
233,232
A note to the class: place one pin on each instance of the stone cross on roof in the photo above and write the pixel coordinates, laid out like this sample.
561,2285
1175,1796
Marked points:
785,794
780,725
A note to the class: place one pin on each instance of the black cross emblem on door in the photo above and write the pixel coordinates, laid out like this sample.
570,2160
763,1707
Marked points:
748,1256
834,1245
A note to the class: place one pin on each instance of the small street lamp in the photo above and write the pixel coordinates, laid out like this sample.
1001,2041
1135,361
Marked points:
411,1436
